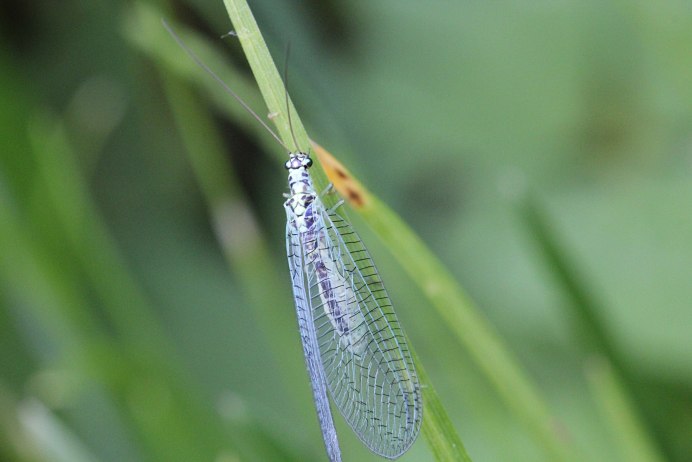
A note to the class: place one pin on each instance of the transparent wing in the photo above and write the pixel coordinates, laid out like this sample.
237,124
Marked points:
296,264
368,366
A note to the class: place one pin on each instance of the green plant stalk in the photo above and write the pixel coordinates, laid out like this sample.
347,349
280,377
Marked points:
620,414
267,75
272,88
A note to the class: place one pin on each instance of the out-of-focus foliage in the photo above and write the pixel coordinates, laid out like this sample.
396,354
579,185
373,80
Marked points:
542,149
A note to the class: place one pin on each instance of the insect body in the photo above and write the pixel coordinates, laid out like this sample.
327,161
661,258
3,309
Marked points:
346,317
337,297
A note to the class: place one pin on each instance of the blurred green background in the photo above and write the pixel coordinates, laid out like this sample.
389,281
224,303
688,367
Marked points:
542,149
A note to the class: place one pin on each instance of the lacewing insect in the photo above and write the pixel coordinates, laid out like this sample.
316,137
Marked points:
354,347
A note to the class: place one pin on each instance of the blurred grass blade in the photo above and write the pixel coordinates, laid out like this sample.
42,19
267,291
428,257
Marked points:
593,331
15,444
620,414
142,28
28,269
452,304
591,328
51,435
67,194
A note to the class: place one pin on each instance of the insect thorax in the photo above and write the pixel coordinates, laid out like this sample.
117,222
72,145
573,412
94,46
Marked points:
302,192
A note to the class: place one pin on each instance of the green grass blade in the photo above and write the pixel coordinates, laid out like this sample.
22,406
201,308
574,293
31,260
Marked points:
620,414
266,74
592,329
271,86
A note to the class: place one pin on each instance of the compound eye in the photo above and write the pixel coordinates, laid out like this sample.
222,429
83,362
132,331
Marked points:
308,163
287,165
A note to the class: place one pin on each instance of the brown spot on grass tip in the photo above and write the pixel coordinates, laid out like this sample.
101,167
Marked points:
340,173
354,198
344,183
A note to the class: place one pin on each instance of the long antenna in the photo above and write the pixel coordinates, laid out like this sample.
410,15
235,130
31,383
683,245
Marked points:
288,107
228,90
